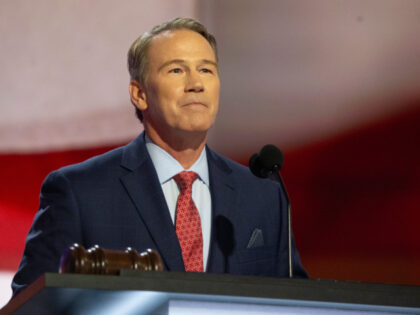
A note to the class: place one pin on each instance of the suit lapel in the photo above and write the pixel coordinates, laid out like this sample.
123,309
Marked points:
144,189
223,210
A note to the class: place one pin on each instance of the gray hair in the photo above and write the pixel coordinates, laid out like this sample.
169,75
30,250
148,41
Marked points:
138,59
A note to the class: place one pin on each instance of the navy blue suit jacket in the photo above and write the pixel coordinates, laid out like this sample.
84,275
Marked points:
115,200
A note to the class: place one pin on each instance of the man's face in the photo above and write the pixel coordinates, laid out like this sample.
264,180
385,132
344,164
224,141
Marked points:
182,86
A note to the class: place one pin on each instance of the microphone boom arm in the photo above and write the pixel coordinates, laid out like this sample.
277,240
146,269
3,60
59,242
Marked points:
274,174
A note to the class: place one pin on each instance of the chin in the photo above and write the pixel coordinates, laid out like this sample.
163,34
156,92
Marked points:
197,129
195,125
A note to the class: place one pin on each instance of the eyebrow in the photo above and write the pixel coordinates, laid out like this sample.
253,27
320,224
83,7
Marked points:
202,61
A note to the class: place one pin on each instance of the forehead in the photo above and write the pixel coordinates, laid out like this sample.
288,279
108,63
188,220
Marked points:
179,44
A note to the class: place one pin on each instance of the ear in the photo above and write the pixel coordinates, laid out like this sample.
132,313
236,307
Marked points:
137,95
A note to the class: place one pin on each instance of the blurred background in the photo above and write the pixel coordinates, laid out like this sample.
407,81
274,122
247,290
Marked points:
334,84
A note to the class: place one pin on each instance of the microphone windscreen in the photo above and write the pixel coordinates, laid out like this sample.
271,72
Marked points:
271,156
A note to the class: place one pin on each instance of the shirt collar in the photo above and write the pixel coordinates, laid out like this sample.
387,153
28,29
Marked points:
167,166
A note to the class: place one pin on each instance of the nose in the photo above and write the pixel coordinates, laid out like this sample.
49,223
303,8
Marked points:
194,82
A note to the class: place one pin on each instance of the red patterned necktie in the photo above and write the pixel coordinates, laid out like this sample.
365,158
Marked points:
188,224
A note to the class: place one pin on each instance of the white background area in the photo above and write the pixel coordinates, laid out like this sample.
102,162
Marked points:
5,289
64,79
291,71
294,72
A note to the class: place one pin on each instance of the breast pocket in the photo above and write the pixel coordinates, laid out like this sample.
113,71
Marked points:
259,261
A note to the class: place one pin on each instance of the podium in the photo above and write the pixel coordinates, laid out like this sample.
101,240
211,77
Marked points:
151,292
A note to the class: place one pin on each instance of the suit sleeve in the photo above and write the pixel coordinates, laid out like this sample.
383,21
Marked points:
283,265
56,226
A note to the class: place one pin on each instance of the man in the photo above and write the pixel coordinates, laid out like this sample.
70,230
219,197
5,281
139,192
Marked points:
166,190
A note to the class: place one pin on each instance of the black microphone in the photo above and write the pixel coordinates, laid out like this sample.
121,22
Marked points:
267,164
225,238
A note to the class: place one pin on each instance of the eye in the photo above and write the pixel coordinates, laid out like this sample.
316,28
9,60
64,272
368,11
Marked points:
175,70
206,70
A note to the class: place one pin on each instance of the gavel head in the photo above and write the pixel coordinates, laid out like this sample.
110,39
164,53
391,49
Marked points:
75,260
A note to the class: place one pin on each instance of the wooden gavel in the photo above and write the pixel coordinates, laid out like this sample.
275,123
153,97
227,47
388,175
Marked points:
96,260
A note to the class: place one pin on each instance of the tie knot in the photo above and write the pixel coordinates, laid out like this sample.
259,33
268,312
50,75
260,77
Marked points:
185,179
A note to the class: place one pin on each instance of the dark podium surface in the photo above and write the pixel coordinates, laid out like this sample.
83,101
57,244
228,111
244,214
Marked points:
140,292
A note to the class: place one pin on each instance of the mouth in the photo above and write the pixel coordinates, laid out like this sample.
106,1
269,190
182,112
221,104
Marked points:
195,103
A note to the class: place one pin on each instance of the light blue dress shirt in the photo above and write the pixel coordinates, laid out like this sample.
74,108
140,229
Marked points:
167,167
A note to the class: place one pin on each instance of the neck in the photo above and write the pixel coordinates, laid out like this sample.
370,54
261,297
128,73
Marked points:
185,147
